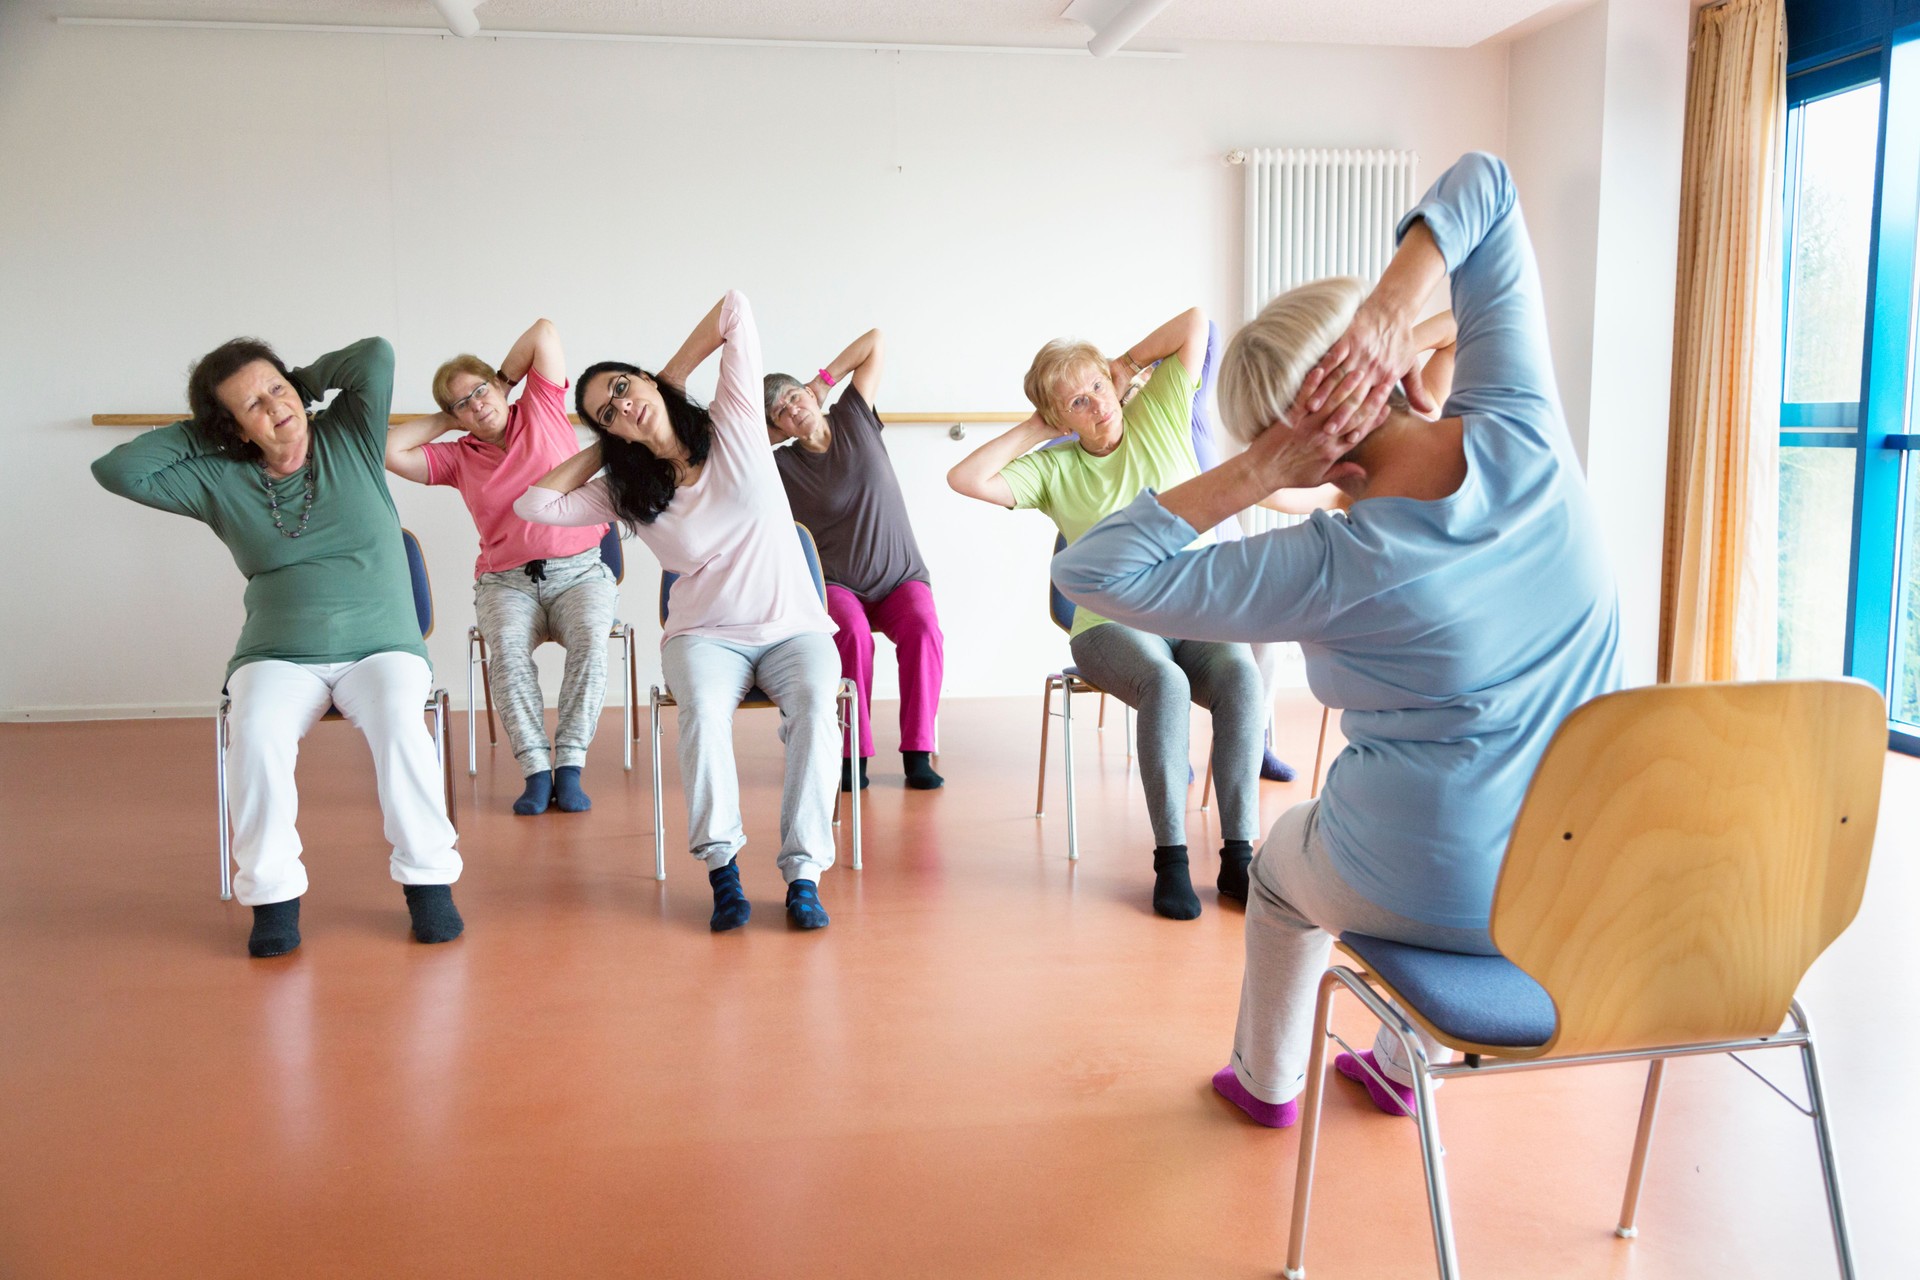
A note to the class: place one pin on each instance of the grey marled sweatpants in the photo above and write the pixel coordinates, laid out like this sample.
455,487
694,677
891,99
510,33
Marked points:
571,605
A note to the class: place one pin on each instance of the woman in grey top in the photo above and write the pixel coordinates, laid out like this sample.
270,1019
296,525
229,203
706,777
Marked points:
841,485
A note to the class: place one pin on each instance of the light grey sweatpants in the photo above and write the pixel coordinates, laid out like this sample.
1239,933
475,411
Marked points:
1296,903
572,604
801,674
1158,678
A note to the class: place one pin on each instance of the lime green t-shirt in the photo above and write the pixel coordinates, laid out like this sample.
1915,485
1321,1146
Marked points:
1077,490
342,589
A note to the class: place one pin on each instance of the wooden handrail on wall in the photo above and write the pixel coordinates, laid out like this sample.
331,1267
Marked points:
891,419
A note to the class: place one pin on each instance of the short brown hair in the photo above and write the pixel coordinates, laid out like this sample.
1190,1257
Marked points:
203,387
462,363
1052,366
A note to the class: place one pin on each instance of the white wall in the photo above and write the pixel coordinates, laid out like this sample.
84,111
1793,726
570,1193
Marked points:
1597,123
167,189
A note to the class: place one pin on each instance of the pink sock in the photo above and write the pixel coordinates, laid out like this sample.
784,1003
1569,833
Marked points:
1274,1115
1349,1066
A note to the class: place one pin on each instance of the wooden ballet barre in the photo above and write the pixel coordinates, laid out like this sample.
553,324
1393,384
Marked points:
891,419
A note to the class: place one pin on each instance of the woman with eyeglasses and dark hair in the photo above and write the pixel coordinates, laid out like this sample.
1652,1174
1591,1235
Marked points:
841,485
301,502
533,582
698,485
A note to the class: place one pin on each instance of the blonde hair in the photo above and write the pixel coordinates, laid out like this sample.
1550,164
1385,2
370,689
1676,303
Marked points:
443,377
1265,363
1057,361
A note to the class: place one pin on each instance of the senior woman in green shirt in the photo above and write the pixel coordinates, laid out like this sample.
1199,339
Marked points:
301,502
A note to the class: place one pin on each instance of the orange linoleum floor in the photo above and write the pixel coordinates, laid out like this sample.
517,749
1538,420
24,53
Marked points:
994,1063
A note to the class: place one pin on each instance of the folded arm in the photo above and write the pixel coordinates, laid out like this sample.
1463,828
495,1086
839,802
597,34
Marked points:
164,468
407,445
539,349
1185,336
363,375
978,474
568,494
863,361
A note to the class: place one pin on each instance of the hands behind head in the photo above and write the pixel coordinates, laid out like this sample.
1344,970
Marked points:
819,391
1361,368
1305,449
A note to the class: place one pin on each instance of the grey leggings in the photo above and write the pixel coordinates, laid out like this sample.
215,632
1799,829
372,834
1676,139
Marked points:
1158,678
572,604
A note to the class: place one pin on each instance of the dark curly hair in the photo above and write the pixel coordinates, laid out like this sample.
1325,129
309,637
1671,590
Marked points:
210,417
640,483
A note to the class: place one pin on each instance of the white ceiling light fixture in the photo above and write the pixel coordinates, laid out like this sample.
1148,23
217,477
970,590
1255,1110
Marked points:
1114,22
459,16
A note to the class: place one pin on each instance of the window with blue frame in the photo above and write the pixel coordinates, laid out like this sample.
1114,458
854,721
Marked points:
1849,458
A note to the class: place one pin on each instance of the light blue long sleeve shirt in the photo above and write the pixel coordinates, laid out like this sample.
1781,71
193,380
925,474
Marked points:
1454,634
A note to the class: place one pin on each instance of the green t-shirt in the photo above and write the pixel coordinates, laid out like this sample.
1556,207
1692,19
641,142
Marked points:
341,590
1077,490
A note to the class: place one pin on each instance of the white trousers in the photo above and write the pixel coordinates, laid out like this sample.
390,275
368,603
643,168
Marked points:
274,704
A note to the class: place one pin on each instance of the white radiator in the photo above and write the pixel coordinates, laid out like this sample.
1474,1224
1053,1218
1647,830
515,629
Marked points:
1314,213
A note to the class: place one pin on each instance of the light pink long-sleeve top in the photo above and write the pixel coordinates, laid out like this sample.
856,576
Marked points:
729,534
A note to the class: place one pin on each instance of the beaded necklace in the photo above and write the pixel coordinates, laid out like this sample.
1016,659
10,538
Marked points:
273,499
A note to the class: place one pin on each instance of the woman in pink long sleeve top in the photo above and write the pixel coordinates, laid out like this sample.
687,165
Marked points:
698,486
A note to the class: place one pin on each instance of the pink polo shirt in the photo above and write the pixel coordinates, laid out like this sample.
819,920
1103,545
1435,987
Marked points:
729,534
491,476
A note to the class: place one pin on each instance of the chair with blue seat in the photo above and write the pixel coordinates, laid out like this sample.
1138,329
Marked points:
614,556
659,696
1683,854
437,707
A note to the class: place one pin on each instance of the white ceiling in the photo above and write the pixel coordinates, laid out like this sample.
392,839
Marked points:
1444,23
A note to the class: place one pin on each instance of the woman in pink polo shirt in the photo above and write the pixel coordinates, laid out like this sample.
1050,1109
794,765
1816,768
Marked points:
533,582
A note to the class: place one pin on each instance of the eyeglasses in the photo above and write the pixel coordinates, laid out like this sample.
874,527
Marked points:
479,389
786,402
615,390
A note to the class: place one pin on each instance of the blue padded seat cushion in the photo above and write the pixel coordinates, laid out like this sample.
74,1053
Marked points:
1479,999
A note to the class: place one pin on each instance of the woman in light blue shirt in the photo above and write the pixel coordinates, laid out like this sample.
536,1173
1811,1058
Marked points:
1456,613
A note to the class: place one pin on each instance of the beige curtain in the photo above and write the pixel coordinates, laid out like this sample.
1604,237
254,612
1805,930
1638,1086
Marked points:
1717,613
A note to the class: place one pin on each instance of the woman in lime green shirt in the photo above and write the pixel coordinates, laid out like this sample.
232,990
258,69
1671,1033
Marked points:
1117,451
301,502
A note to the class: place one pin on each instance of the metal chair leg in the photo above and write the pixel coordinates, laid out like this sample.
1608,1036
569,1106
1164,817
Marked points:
1649,1108
1046,721
1432,1154
659,823
1309,1131
220,785
1102,722
1066,745
1129,715
1206,788
473,660
624,634
442,746
848,719
1319,753
1823,1136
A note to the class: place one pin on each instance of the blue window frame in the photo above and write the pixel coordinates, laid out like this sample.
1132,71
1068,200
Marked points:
1870,493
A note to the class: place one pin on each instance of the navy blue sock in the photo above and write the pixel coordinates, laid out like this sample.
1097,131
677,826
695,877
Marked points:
276,929
803,905
1274,769
846,774
566,790
1173,895
537,796
1234,857
435,918
730,906
920,774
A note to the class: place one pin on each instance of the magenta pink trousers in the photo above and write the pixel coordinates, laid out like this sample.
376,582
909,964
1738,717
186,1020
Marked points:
906,617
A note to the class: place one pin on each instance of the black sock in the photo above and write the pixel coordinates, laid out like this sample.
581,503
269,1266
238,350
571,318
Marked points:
803,905
1234,857
730,906
566,790
1173,895
920,774
276,929
537,796
435,918
846,774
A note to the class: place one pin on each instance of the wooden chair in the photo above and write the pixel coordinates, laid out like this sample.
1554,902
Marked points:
659,696
1683,854
613,555
437,707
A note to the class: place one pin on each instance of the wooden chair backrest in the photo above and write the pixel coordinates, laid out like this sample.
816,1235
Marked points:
1685,852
